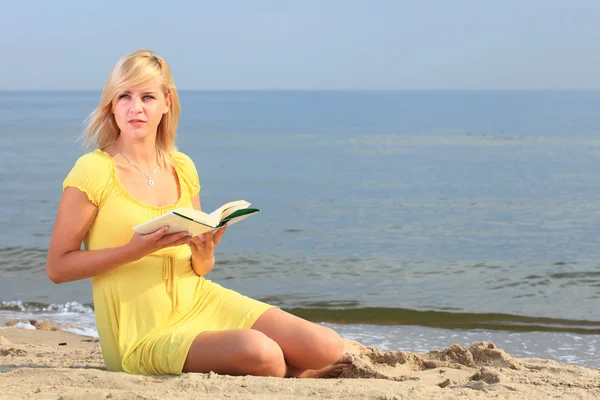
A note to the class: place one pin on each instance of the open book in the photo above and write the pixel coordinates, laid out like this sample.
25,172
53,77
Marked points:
197,222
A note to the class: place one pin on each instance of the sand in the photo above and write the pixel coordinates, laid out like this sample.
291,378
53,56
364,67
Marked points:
38,364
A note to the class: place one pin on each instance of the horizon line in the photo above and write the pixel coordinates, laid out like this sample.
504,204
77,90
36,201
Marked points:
336,90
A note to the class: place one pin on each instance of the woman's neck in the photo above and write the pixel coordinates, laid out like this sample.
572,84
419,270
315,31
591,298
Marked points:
142,153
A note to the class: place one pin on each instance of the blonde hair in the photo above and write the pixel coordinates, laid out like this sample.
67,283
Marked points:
136,68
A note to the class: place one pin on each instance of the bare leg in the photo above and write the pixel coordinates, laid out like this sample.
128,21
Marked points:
235,352
310,350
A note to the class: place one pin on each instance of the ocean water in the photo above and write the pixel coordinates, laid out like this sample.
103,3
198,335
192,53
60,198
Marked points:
406,220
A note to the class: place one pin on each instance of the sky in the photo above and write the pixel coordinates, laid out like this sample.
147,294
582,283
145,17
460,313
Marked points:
307,44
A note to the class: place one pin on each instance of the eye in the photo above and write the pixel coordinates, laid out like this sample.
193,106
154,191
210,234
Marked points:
148,96
124,96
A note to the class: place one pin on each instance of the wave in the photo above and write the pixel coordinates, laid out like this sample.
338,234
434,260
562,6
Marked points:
34,307
18,259
347,314
446,320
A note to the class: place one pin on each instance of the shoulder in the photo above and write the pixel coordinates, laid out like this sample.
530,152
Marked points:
91,174
182,159
186,170
94,161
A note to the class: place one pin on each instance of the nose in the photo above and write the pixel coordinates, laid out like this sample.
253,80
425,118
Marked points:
136,105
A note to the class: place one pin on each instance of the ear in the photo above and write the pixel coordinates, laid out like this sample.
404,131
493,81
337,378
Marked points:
168,103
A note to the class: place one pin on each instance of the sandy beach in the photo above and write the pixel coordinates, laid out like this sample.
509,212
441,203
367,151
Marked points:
46,364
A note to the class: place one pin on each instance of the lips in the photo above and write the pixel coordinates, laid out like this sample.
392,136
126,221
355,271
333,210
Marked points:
136,121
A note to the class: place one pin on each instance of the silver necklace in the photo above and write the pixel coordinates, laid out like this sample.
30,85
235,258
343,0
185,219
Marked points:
150,180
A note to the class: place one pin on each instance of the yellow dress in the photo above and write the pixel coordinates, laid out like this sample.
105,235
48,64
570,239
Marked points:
148,312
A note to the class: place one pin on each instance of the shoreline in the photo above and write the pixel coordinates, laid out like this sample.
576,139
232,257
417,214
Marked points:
563,347
39,364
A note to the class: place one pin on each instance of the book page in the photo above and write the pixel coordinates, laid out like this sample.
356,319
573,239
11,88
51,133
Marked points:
197,215
226,209
197,222
238,215
175,224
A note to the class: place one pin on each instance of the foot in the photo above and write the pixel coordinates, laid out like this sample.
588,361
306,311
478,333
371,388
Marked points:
332,370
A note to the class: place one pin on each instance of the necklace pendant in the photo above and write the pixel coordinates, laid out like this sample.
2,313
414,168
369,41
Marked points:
151,182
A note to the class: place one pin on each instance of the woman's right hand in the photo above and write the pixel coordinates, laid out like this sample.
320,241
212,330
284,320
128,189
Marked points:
141,245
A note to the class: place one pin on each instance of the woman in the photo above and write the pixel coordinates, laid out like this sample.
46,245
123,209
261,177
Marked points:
155,311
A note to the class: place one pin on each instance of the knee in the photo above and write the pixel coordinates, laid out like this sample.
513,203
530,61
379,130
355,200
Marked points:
263,355
332,346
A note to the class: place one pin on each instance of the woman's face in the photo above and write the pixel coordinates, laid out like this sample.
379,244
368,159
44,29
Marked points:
139,110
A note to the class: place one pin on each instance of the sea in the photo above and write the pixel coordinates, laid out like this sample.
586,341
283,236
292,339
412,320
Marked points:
406,220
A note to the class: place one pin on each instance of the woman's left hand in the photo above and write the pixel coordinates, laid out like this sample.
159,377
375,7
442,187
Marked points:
203,246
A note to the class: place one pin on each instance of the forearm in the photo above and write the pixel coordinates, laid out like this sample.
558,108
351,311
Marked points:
82,264
202,265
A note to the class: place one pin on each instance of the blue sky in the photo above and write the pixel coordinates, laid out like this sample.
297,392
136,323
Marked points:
307,45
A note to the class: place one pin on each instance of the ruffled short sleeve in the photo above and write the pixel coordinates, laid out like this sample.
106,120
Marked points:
187,172
91,175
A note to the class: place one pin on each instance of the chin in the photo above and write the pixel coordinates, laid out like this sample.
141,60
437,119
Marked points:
136,134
